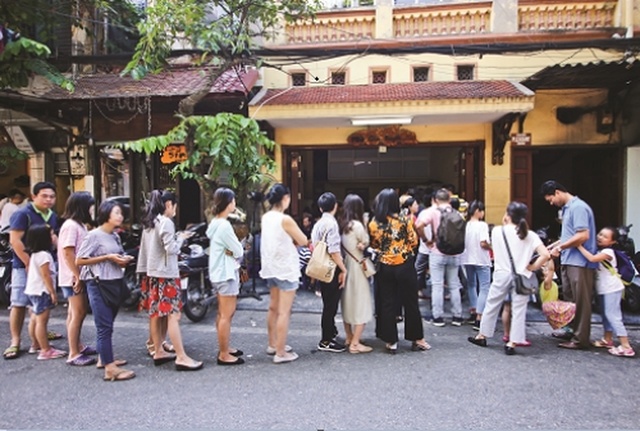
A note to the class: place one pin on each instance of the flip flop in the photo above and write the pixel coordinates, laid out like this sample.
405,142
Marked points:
54,336
118,362
11,352
120,375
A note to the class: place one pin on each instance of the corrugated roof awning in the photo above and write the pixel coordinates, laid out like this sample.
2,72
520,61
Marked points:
613,75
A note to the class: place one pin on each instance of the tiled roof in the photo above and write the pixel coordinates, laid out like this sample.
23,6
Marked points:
175,83
393,92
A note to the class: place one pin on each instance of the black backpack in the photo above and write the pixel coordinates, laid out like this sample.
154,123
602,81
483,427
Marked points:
451,232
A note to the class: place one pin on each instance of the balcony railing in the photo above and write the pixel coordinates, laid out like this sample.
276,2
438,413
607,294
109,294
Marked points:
536,15
442,20
349,23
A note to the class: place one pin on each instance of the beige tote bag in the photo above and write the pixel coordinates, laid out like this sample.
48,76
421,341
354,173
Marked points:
321,266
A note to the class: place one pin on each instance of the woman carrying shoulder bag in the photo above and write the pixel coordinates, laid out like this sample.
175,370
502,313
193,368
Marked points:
395,238
102,259
522,244
356,296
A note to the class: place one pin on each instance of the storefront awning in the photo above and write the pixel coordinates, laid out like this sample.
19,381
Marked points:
424,103
614,75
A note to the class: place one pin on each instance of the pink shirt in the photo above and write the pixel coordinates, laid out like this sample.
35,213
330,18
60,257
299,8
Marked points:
71,235
432,221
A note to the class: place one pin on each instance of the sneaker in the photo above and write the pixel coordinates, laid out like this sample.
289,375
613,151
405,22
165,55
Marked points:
456,321
331,346
282,359
476,325
472,318
51,354
272,350
438,321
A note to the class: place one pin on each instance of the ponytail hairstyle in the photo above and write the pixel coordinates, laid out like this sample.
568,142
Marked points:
276,194
156,206
518,213
222,197
476,205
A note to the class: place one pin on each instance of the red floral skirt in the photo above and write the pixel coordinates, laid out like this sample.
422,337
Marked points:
160,296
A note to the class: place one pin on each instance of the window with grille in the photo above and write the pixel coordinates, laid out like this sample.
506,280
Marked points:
420,74
379,77
465,73
299,79
338,78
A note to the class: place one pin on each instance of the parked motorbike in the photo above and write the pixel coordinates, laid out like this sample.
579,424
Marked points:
631,298
130,240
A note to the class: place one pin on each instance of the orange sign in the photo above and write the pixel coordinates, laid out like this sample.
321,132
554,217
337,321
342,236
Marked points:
174,154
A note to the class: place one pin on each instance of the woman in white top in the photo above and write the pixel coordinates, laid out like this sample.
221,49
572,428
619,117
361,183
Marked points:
224,250
609,287
522,243
477,261
356,296
280,268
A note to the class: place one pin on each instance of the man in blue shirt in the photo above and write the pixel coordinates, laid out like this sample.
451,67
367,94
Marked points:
578,274
36,212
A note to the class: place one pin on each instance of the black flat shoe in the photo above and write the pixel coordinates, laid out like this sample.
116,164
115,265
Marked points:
237,353
482,342
392,349
161,361
194,367
508,350
238,361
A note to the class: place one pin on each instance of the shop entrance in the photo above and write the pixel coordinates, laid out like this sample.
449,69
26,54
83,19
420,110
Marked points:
594,173
365,171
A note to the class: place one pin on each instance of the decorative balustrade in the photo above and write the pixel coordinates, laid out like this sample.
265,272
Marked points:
535,15
453,19
333,27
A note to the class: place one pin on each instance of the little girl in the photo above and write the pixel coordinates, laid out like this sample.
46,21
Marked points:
41,290
609,287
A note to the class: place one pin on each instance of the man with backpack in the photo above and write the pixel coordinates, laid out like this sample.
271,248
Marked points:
448,228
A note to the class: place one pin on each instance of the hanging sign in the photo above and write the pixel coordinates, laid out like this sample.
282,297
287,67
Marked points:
521,139
174,154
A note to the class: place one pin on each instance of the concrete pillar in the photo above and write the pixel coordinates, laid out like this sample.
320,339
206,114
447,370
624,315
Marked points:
504,16
384,19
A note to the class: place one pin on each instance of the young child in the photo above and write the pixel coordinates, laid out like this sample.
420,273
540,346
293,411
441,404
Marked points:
609,288
41,290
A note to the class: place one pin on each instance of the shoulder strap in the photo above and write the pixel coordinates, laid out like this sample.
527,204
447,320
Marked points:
349,253
513,266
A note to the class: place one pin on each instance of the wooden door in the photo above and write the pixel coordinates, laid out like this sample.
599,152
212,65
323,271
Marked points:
522,178
468,174
295,183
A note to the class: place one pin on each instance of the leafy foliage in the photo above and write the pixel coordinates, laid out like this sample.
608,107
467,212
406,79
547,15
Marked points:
10,154
226,144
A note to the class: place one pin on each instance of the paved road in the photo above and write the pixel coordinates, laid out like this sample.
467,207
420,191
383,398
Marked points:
454,386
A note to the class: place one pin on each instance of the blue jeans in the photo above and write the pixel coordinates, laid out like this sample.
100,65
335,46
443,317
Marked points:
611,313
103,317
445,267
478,277
18,284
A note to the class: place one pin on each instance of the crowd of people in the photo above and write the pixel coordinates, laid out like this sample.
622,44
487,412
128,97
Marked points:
403,242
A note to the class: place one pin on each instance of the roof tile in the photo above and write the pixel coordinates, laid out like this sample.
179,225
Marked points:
436,90
171,83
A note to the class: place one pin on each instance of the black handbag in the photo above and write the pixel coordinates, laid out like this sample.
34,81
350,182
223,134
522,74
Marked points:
112,292
523,285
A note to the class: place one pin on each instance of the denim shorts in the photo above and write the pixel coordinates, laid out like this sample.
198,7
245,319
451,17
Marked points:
40,303
18,284
68,291
229,287
282,284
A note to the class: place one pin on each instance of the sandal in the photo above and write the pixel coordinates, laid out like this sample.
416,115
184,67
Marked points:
81,360
33,349
118,362
417,347
621,351
602,343
168,347
11,352
150,348
88,351
120,374
54,336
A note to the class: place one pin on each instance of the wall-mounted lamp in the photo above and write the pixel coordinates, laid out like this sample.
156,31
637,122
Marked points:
380,121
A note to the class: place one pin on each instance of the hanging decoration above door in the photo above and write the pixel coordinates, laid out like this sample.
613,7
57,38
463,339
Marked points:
382,136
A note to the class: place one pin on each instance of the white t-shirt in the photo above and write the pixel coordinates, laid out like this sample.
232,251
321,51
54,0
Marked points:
7,212
35,283
521,250
422,218
606,282
474,254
